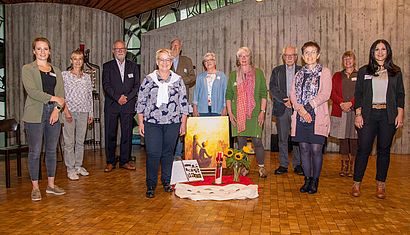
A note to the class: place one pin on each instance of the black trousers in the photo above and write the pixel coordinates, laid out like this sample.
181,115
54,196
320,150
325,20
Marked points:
376,125
111,126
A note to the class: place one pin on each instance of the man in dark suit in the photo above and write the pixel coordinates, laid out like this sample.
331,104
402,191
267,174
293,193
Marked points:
182,65
279,86
121,81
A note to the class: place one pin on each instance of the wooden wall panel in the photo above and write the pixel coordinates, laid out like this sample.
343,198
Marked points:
337,25
65,26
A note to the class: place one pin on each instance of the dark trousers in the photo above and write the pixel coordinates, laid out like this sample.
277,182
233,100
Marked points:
111,126
160,142
283,127
376,125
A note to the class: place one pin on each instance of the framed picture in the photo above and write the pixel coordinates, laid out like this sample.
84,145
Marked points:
205,137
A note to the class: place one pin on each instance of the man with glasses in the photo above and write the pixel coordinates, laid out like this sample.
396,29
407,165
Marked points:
182,65
121,81
280,82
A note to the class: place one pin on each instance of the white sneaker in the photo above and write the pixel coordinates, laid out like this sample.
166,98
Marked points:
72,175
82,171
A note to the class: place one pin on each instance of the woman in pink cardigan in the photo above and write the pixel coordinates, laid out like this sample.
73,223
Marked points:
309,94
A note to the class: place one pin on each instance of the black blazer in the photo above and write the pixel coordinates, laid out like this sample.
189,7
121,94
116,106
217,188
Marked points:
114,87
364,94
277,88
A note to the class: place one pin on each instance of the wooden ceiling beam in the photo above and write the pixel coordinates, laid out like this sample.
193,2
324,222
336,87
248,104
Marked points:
121,8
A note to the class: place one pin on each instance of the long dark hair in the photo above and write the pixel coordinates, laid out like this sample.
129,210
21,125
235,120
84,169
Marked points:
373,66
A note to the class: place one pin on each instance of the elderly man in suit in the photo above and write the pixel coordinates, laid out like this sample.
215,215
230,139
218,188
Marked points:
280,82
182,65
121,80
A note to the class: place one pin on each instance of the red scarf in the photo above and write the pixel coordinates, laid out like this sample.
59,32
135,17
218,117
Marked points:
245,85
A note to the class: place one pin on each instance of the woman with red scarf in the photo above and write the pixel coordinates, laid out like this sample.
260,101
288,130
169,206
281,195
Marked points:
246,97
309,94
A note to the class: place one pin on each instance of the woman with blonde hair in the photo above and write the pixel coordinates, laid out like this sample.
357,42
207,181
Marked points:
342,116
78,113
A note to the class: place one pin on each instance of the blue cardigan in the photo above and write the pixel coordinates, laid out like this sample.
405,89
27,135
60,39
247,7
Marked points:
218,93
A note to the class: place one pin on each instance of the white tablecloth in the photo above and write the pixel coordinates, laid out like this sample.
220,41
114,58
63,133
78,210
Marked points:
220,193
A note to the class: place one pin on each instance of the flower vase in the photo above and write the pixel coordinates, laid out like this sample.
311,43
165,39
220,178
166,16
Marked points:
236,171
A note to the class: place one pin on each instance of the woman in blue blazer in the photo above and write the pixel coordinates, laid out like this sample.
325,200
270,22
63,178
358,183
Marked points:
210,90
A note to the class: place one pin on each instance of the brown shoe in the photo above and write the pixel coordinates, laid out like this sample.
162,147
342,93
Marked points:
128,166
381,190
342,169
356,189
108,168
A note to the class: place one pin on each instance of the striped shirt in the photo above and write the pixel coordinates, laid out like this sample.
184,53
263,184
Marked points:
78,93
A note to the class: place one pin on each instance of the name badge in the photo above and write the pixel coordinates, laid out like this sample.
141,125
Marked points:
367,77
53,74
130,75
185,70
354,79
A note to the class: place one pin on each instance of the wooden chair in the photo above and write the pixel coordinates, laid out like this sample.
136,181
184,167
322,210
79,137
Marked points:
11,126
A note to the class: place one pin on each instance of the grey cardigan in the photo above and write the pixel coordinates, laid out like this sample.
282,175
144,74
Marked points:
36,97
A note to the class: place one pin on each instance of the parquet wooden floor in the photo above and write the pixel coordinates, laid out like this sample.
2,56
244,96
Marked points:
115,203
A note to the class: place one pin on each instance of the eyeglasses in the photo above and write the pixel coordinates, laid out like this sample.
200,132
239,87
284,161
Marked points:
119,49
289,55
307,53
165,60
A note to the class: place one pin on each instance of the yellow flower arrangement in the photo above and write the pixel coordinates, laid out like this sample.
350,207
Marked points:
237,156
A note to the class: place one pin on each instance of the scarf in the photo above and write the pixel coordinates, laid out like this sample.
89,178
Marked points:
307,85
163,96
245,85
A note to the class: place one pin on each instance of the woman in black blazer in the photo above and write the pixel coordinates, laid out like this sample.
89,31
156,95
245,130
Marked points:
379,96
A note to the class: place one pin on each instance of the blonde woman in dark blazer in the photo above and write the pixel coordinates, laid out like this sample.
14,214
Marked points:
45,100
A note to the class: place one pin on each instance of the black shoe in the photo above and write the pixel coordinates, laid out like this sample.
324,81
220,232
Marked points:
281,170
168,188
150,192
313,186
305,188
298,170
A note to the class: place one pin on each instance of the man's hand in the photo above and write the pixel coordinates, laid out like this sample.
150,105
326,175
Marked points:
122,100
287,103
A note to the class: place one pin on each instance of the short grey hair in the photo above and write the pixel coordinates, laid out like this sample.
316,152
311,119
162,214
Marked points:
290,46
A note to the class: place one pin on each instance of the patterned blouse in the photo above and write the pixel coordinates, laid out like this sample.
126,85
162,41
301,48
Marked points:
166,113
78,92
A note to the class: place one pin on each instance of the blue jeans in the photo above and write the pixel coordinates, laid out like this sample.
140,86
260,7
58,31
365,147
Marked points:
160,143
35,133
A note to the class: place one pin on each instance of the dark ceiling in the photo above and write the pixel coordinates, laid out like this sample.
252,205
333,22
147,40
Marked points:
121,8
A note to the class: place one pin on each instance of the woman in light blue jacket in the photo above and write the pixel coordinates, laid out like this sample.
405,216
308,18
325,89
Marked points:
210,90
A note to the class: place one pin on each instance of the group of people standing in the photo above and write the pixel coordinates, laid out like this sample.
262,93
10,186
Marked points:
300,97
365,104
